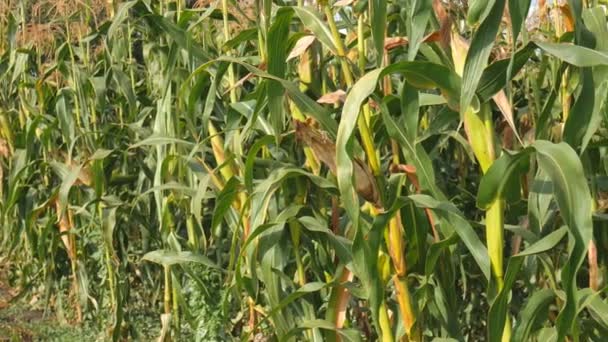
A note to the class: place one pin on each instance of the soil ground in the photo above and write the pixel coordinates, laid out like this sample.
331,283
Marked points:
20,321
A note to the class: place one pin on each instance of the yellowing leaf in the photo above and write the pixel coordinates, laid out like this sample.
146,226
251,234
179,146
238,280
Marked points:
502,102
301,46
567,15
460,48
4,151
342,3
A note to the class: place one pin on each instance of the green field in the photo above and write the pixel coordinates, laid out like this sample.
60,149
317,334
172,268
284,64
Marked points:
353,170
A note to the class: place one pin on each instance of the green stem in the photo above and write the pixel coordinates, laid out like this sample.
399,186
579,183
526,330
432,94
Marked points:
231,79
295,232
167,293
176,311
385,324
193,241
366,136
480,132
109,267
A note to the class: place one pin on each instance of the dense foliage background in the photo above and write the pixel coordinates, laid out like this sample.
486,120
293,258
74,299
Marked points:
278,170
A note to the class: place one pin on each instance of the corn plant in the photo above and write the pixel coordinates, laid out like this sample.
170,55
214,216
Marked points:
395,170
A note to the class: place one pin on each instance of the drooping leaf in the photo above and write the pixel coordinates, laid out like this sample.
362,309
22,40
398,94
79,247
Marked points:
301,46
311,21
574,54
168,258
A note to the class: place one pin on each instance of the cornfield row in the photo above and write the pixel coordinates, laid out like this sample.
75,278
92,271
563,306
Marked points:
412,170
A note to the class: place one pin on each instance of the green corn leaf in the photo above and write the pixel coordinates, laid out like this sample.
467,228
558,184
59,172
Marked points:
533,314
478,11
419,15
479,52
518,10
312,21
350,335
498,309
69,177
304,103
302,291
249,163
158,140
224,201
243,36
277,54
342,245
582,114
574,54
496,76
265,189
562,165
464,230
378,26
409,109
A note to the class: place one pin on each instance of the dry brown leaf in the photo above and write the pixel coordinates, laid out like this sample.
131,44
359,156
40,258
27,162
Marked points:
321,144
85,176
393,42
4,151
445,23
432,37
373,104
65,225
506,16
343,298
542,10
301,46
507,111
440,12
333,97
325,150
593,269
567,15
